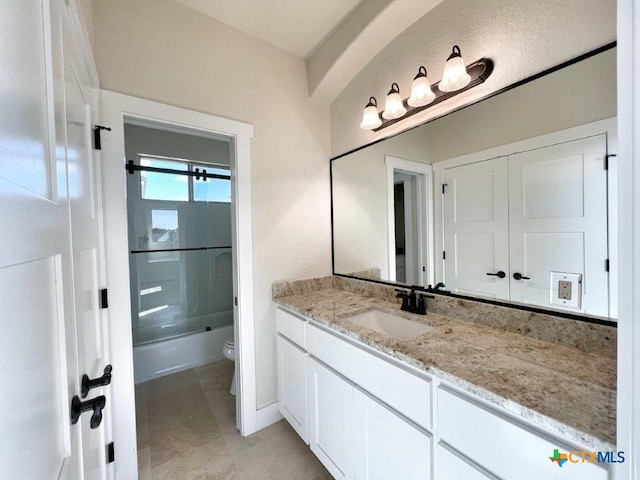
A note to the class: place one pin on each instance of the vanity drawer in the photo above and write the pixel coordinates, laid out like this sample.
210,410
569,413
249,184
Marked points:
291,326
503,446
405,392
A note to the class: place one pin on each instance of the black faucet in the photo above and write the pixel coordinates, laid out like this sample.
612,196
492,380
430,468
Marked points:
412,302
438,286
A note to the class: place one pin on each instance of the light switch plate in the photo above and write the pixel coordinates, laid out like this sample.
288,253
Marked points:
566,289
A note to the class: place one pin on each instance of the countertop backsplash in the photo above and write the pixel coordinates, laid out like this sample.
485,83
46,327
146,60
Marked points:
585,336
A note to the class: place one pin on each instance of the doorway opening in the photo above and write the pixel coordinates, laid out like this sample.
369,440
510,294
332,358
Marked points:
119,111
409,208
180,249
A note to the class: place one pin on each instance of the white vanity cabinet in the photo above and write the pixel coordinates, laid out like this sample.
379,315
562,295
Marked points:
503,446
387,445
368,416
330,413
292,371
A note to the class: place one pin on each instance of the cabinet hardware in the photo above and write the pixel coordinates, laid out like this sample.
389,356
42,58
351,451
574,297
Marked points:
519,276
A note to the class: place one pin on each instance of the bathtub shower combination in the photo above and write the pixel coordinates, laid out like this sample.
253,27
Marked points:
181,264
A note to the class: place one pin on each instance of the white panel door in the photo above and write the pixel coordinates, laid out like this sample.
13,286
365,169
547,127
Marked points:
48,284
85,215
386,445
558,221
330,418
476,228
292,387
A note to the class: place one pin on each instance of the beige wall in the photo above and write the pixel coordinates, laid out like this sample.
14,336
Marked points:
522,38
163,51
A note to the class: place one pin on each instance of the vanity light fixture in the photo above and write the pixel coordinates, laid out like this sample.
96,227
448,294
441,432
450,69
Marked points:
456,79
421,93
370,116
394,107
454,76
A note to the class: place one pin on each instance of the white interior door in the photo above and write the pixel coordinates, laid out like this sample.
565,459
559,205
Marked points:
558,221
49,250
86,217
476,230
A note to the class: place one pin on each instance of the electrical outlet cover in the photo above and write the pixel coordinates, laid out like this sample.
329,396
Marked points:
566,285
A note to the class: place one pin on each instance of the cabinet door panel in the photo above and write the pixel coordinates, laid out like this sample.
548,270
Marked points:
291,326
453,467
330,419
292,389
386,445
505,447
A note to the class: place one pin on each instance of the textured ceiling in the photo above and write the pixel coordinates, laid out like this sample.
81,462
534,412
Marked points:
297,26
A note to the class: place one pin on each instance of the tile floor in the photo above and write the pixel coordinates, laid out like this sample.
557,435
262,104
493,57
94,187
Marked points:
186,430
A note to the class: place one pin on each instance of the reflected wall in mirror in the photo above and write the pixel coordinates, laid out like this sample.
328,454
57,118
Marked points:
507,199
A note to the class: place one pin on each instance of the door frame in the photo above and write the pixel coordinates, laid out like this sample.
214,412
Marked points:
628,392
424,174
116,109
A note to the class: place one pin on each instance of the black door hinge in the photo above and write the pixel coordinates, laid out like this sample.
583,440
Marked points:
104,298
606,160
111,454
606,265
444,255
97,141
235,301
444,185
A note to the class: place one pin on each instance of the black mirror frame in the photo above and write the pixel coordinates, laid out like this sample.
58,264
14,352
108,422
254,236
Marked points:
518,306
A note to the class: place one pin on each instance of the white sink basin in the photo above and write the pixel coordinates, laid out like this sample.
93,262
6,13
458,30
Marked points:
390,325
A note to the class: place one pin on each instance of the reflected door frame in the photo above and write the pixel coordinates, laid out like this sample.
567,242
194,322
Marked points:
424,212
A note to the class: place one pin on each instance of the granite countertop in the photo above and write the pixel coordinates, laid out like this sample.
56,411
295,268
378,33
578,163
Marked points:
559,387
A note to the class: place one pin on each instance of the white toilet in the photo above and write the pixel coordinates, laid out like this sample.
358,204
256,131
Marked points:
229,351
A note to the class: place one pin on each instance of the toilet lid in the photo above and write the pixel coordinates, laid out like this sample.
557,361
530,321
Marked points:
229,344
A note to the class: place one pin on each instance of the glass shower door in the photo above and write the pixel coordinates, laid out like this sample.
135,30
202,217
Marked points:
180,259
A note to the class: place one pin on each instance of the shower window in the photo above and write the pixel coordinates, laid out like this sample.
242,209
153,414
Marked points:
214,189
167,186
180,239
164,186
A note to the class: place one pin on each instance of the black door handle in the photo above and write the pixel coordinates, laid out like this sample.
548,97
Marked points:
519,276
87,384
95,404
500,274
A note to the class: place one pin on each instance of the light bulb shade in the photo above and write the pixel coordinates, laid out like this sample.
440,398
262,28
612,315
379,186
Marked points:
394,108
455,74
421,93
370,117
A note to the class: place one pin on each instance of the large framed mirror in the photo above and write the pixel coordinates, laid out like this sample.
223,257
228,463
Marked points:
509,200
